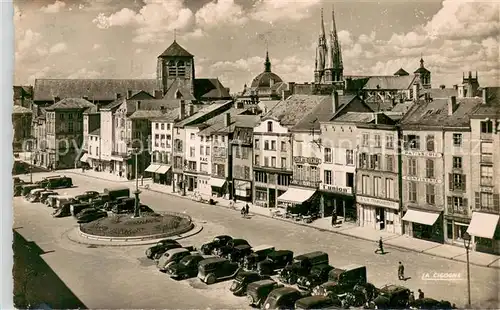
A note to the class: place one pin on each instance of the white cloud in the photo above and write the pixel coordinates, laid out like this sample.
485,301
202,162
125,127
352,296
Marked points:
220,13
28,39
54,7
197,33
153,21
274,10
39,74
344,38
84,73
58,48
96,46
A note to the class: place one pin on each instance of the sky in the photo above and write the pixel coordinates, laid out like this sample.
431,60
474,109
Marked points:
123,38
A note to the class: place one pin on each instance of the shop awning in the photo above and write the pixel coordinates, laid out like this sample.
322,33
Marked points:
238,184
163,169
421,217
483,225
152,168
216,182
84,157
296,195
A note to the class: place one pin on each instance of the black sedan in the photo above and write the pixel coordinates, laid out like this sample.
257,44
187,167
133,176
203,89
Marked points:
243,278
219,241
224,251
161,246
91,216
186,268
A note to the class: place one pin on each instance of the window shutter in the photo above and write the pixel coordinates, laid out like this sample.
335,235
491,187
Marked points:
405,142
450,180
496,201
477,200
464,182
466,203
360,158
449,201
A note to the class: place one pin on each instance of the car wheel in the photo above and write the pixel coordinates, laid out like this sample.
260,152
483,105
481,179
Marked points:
250,300
211,279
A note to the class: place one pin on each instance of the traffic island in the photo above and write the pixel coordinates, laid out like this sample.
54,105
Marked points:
125,228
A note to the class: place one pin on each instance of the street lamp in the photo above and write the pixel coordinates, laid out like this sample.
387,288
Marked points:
137,211
467,239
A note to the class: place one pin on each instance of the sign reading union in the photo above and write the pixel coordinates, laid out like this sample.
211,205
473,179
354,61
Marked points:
417,179
338,189
378,202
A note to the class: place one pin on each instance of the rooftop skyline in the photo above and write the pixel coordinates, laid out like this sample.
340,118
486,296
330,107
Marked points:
121,39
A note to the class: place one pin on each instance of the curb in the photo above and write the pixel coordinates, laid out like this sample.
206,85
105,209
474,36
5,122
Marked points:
337,232
96,177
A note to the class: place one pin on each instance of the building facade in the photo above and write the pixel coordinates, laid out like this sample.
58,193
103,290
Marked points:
242,163
162,148
21,123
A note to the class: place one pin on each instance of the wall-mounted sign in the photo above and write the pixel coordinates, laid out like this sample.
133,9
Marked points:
309,160
425,180
203,159
338,189
486,189
422,154
378,202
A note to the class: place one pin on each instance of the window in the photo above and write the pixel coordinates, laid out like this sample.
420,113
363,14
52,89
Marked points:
162,126
207,151
457,203
156,125
365,188
168,126
269,126
389,141
363,160
366,138
457,162
257,144
487,127
202,150
192,151
283,162
273,161
349,157
223,139
266,145
378,142
429,168
328,155
266,161
216,138
299,148
412,191
273,145
412,167
389,188
257,160
487,175
283,146
389,163
70,126
244,152
457,139
411,142
487,200
430,194
430,143
300,172
377,186
375,161
237,151
457,181
327,177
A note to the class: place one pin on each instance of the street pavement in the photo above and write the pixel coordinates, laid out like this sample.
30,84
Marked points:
120,277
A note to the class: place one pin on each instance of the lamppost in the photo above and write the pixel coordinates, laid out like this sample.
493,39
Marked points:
137,212
467,239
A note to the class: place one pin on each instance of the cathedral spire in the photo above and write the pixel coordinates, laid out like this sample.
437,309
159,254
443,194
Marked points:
267,64
336,52
322,29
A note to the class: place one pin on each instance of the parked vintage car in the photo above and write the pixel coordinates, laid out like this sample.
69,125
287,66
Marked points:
63,211
159,247
86,196
224,251
392,297
77,208
317,276
283,298
46,194
259,253
219,241
429,303
124,206
34,195
275,261
115,192
57,182
301,266
27,188
239,252
108,206
243,278
318,302
57,201
170,257
215,269
257,292
90,216
342,280
186,268
18,187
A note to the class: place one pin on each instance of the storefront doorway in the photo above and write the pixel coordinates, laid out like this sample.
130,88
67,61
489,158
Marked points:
272,198
380,216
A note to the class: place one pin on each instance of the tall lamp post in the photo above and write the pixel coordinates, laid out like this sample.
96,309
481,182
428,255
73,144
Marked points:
137,211
467,238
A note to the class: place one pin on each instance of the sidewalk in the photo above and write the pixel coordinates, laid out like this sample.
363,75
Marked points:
100,175
348,229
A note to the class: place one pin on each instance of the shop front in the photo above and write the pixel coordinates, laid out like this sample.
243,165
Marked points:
484,228
379,214
218,186
261,196
204,187
150,171
455,228
191,181
163,174
299,201
243,190
424,224
338,199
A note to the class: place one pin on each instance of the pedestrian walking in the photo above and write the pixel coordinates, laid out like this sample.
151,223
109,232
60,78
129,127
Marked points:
243,212
412,297
247,209
334,218
380,246
120,173
231,204
420,294
401,272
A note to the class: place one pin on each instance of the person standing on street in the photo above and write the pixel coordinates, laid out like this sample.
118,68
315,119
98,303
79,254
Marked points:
401,272
334,218
420,294
412,297
247,209
380,246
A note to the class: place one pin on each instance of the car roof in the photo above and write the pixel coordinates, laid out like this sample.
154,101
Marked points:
223,236
36,190
262,247
315,253
263,282
351,267
177,250
284,290
212,260
312,299
393,288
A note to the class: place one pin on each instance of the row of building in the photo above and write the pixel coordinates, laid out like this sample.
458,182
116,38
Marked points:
387,152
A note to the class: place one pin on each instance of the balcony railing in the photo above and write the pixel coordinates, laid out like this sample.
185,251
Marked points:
452,210
271,167
486,158
305,183
190,169
487,181
489,209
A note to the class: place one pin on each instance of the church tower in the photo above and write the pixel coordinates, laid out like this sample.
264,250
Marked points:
321,51
424,75
469,87
175,64
334,70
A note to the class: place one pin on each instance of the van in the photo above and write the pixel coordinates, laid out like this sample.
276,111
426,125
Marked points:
115,192
301,266
342,280
214,269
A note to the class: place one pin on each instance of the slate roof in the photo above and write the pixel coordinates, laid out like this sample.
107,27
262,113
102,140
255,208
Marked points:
17,109
323,112
203,111
389,82
151,105
210,88
71,103
241,121
264,79
23,92
146,114
95,89
290,112
402,107
435,113
401,72
178,90
92,110
267,105
169,116
96,132
356,117
218,122
492,105
437,93
175,50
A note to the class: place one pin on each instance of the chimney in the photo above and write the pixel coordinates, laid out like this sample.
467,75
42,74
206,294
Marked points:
485,95
393,102
138,105
455,87
85,97
158,94
227,120
452,105
442,86
129,93
416,91
162,109
291,87
375,116
118,95
190,109
182,110
335,101
57,99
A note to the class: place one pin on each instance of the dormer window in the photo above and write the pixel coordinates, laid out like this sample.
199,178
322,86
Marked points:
178,94
269,126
